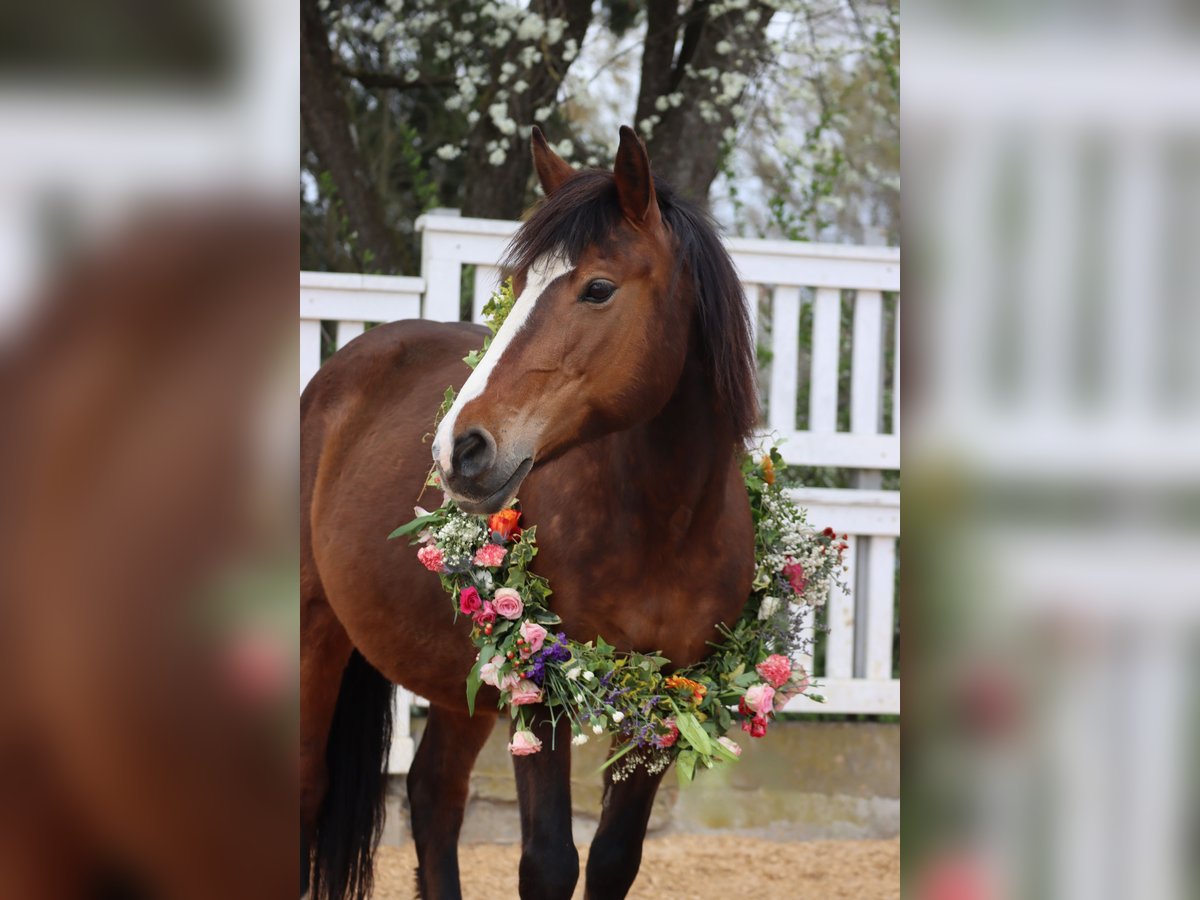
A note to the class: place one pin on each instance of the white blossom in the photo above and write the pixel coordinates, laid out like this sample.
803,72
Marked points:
579,740
497,156
448,151
531,28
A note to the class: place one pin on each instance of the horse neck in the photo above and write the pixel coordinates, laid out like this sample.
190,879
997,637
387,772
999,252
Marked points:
674,467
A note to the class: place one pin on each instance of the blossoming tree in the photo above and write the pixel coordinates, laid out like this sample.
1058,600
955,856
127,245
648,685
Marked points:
411,104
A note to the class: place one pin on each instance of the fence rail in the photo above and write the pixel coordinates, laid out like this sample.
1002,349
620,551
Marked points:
840,293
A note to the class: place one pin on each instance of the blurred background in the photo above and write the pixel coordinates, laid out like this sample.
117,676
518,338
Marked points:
1052,338
147,494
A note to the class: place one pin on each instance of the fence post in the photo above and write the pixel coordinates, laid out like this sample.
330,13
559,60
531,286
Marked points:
441,269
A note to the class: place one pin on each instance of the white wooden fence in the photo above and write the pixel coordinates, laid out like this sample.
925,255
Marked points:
781,279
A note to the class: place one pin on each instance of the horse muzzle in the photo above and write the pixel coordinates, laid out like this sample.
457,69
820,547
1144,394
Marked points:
480,478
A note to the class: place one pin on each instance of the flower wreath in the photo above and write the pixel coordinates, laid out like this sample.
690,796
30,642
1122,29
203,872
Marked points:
483,563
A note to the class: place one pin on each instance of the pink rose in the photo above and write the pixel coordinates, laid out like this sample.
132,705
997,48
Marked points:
489,555
775,669
795,686
489,672
524,743
508,682
668,739
508,603
794,573
760,698
432,558
534,635
486,614
732,746
525,692
468,601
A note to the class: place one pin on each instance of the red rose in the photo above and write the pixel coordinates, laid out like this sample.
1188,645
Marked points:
469,602
486,615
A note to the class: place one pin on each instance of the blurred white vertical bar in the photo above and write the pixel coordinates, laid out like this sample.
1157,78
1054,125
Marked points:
866,365
487,279
839,616
1134,252
1079,801
880,598
20,255
785,348
310,350
955,382
348,331
1047,337
823,389
1154,819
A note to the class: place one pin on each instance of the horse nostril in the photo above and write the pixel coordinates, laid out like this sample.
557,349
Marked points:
474,453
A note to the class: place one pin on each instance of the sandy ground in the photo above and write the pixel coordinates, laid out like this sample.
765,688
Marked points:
688,867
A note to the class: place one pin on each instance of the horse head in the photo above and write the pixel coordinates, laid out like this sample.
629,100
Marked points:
597,338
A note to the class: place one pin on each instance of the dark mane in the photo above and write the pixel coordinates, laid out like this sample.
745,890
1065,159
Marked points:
584,212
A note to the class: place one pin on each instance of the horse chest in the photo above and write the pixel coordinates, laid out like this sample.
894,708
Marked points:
666,601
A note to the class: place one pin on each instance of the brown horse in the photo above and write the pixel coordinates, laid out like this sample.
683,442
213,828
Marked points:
617,397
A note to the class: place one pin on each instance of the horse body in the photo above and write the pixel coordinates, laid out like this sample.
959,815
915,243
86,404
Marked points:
604,413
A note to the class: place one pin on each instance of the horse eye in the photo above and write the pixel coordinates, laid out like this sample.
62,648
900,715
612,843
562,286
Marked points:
598,291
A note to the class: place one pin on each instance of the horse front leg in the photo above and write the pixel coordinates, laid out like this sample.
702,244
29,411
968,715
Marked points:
616,851
438,784
549,860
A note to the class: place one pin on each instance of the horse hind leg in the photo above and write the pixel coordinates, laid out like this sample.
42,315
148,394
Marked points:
438,783
616,851
324,651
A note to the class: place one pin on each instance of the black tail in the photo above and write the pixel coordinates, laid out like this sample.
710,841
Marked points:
351,818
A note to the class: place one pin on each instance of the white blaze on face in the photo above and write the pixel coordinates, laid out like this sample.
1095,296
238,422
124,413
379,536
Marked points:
541,273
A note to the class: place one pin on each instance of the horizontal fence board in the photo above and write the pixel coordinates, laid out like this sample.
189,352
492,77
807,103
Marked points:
851,696
358,305
850,511
841,449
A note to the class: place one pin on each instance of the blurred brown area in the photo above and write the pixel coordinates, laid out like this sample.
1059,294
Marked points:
148,458
146,696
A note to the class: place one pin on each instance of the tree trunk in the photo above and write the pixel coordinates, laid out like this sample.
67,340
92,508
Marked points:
686,150
326,121
501,192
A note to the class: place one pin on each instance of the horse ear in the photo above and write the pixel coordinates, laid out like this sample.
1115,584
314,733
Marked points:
552,169
635,185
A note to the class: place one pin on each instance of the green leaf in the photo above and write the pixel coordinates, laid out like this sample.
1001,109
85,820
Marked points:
473,682
691,731
415,525
685,766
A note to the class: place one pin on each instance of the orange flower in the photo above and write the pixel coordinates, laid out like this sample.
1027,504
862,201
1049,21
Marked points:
677,681
504,523
768,470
